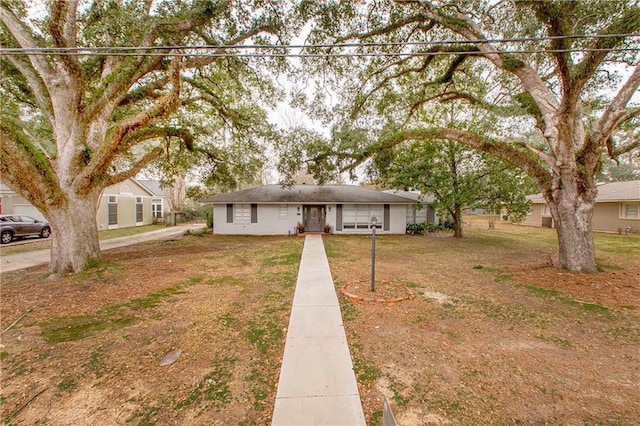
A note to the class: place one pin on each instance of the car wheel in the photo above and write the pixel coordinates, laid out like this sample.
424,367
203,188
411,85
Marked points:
6,237
46,231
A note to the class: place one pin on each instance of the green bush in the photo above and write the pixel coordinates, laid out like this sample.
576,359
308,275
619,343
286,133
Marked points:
424,227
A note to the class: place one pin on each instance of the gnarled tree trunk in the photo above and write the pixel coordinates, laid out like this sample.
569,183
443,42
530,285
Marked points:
571,204
74,234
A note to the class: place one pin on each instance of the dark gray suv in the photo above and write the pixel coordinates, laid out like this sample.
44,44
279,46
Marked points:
17,225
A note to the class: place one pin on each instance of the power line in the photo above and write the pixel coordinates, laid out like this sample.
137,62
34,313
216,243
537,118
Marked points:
223,50
322,55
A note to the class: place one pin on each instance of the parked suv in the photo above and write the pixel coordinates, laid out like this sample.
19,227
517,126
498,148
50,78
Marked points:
17,225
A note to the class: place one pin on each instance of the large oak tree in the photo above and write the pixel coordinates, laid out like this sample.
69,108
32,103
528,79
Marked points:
84,115
556,77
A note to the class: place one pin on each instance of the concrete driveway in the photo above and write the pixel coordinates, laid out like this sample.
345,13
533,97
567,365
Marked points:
26,260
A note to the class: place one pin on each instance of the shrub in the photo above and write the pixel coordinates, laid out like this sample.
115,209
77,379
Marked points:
425,227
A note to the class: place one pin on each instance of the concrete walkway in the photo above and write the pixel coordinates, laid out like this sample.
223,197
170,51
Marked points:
317,384
16,262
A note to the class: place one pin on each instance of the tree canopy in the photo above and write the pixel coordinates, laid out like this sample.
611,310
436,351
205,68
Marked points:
93,93
553,80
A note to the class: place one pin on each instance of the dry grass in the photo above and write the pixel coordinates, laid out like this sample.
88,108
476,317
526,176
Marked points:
495,336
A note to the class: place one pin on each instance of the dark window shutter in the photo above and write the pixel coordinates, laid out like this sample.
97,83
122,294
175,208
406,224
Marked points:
139,215
339,217
113,214
387,217
229,213
254,213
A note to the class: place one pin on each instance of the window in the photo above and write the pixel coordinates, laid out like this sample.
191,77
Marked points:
545,210
242,213
283,211
358,216
139,216
630,210
113,210
415,215
156,208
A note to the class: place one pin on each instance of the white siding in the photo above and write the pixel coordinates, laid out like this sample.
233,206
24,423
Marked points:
271,220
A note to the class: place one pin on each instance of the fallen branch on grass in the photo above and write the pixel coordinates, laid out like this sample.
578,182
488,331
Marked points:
29,401
16,321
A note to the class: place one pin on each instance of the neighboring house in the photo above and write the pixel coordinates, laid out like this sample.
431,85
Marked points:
122,205
12,203
273,210
617,208
159,202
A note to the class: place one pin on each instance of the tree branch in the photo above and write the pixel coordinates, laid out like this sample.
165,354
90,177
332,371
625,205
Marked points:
626,24
502,150
615,112
111,145
135,169
415,19
559,18
37,86
23,36
62,26
26,169
531,81
206,60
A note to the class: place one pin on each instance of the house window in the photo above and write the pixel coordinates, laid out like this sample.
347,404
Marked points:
283,211
415,215
112,204
139,217
545,210
156,208
242,213
630,210
358,216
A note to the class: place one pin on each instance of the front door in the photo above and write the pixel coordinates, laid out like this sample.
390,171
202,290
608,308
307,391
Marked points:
314,218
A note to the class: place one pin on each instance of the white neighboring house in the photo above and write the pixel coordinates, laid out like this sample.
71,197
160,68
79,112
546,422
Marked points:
273,210
12,203
125,204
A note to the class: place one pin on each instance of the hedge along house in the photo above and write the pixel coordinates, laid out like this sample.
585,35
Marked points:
617,209
274,210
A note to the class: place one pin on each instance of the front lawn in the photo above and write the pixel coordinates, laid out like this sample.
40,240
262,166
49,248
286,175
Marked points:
495,334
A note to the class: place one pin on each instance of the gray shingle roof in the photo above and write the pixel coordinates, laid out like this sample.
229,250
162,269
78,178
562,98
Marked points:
619,191
609,192
414,196
153,186
275,194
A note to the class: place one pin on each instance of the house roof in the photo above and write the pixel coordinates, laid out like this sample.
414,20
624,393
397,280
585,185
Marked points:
299,194
416,197
152,186
619,191
608,192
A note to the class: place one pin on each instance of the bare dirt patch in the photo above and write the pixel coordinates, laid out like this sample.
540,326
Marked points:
89,349
495,334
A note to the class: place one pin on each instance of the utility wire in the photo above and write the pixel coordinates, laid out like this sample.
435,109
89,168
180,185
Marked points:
315,55
223,50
